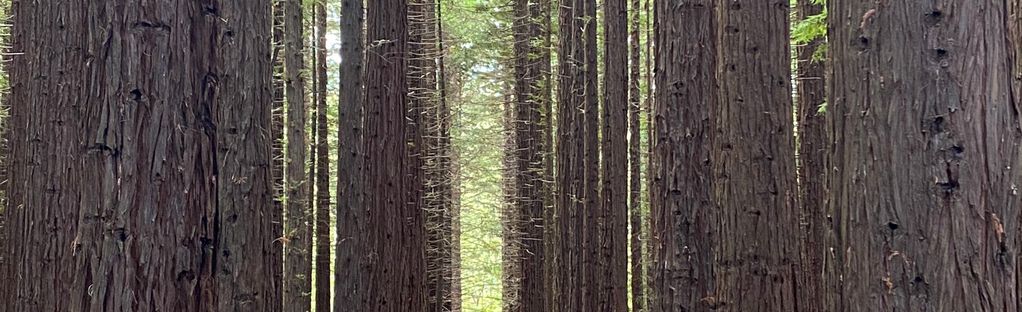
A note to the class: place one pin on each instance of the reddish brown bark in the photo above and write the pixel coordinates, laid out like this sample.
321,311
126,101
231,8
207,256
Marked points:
812,137
395,229
682,216
611,283
297,233
141,168
924,157
351,263
756,256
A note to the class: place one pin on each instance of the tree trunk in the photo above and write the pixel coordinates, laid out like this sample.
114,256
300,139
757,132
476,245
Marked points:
612,263
925,157
105,146
451,189
524,286
756,256
635,235
298,235
277,132
812,137
681,210
396,230
350,273
572,247
322,167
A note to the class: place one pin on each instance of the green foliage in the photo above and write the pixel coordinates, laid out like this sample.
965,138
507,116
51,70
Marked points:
810,29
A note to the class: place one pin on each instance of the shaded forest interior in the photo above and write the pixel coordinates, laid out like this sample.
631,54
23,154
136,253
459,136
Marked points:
510,155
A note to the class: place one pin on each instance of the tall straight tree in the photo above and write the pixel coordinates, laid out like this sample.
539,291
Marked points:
322,166
925,164
395,229
635,234
572,246
351,264
682,216
277,132
812,137
756,255
524,282
612,289
430,156
298,235
141,158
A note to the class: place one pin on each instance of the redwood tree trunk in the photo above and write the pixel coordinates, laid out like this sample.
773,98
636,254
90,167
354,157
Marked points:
812,137
141,157
756,255
682,216
277,132
524,281
322,167
925,159
395,229
635,234
572,249
350,275
611,288
297,233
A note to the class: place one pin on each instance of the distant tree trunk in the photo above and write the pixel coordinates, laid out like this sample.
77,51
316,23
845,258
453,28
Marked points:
350,272
681,209
573,243
277,132
298,235
433,172
925,162
451,188
756,253
524,284
129,193
455,233
396,230
612,265
322,167
635,235
812,137
417,99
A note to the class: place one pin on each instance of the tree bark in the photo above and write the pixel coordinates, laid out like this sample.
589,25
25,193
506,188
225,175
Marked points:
572,247
681,208
612,265
322,167
132,192
635,234
925,153
396,229
756,257
812,136
298,234
350,272
277,132
524,286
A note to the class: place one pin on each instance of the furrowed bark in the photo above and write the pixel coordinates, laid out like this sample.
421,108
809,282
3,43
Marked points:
396,230
682,215
756,258
352,216
812,136
131,192
924,159
612,264
297,231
